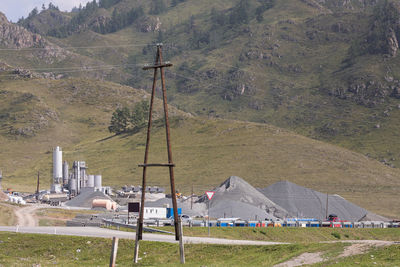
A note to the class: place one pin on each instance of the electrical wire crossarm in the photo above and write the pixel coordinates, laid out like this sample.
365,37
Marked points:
156,66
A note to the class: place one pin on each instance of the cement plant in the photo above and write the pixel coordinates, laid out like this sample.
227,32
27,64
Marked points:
235,203
207,133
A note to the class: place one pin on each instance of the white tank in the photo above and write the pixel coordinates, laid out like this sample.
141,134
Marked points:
90,181
57,163
97,181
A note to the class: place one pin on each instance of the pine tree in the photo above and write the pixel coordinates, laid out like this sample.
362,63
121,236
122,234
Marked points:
139,115
119,121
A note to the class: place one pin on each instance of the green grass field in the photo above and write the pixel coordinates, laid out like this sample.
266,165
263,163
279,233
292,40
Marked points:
287,234
295,235
48,250
7,216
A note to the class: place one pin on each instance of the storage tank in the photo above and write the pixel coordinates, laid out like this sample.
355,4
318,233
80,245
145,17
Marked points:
65,173
104,203
97,181
77,175
90,181
57,164
73,185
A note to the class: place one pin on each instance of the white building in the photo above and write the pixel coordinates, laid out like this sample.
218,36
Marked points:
155,213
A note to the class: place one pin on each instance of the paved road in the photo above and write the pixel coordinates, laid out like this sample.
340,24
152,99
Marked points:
107,233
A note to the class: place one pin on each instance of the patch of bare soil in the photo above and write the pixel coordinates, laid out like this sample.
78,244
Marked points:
356,248
305,258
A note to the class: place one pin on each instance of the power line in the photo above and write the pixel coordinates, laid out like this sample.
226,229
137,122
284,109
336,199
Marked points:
73,47
72,69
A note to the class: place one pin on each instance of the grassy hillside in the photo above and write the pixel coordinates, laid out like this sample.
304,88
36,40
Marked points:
206,150
292,63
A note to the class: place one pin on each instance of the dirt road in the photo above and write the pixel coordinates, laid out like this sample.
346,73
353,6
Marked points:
26,215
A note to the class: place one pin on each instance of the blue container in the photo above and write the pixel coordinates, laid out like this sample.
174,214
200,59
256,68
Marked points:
170,212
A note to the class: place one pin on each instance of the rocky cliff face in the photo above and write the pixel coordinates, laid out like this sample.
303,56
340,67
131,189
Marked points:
14,36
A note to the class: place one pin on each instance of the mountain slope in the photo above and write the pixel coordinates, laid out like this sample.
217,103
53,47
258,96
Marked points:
206,151
297,64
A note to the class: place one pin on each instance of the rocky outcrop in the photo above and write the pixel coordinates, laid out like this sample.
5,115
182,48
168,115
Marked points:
14,36
393,44
368,91
149,24
99,23
240,83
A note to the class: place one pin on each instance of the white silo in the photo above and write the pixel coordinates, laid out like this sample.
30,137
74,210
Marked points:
90,181
57,165
97,181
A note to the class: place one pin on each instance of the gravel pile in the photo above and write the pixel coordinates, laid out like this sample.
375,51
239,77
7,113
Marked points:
237,209
306,203
85,198
236,196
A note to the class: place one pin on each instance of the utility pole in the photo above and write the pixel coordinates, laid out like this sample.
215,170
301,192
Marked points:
158,64
37,187
191,200
326,209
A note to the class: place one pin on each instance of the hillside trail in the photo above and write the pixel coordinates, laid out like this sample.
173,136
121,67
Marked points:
356,248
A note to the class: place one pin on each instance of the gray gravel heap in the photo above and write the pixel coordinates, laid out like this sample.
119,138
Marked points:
237,209
306,203
236,196
85,198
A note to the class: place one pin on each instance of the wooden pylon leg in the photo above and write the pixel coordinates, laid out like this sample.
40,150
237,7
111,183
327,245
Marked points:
136,254
181,245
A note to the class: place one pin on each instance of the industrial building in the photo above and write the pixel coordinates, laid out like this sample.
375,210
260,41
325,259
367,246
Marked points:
74,181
